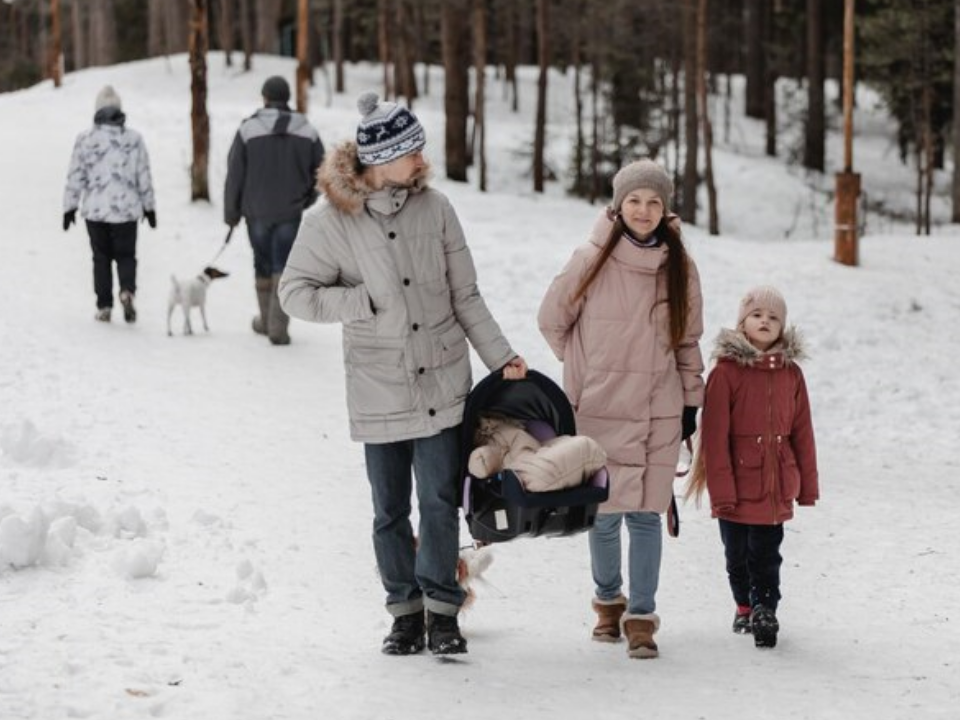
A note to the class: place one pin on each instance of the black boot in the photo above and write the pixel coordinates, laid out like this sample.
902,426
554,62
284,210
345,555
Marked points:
406,635
443,635
765,627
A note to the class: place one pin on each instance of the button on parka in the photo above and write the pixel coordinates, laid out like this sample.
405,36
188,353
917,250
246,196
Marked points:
392,265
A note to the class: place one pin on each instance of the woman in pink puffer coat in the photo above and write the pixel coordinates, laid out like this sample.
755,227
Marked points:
625,318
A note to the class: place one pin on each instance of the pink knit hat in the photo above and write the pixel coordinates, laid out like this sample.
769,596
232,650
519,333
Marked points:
764,297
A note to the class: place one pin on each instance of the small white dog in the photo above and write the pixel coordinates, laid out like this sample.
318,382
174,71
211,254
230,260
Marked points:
191,293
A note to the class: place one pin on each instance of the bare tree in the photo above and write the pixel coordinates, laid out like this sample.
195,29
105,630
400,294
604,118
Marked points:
405,80
268,17
453,14
200,120
78,36
712,211
540,129
813,148
103,33
303,61
480,68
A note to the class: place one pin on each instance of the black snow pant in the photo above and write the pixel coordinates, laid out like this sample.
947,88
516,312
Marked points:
753,562
113,243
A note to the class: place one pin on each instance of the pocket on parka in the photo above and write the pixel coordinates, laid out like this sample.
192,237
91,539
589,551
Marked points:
455,362
377,381
748,466
789,473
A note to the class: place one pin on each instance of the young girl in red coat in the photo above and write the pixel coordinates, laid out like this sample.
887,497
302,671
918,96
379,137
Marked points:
757,453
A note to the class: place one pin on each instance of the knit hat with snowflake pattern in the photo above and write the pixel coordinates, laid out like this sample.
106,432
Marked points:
387,131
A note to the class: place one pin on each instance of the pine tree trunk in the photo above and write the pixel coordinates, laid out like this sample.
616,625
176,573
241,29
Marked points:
303,52
540,130
577,60
155,46
246,34
338,45
770,86
956,113
688,206
200,120
712,211
227,30
384,26
76,29
456,102
56,44
480,68
405,80
268,14
103,33
813,149
756,59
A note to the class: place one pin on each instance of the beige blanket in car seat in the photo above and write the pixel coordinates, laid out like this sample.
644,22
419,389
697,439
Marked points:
561,462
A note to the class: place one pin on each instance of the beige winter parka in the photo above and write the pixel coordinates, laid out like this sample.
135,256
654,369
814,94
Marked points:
627,385
393,266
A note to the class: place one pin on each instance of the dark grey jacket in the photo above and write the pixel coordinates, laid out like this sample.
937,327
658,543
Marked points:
394,268
272,167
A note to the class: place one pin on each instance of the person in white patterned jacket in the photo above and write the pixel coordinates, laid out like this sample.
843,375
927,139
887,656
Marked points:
109,180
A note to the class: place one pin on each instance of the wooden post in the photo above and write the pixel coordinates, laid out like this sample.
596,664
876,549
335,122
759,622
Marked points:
848,182
303,59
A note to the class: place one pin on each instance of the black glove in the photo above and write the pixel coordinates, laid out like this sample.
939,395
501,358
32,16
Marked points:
151,216
688,422
69,218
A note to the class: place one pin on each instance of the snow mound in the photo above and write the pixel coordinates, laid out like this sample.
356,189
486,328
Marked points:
24,444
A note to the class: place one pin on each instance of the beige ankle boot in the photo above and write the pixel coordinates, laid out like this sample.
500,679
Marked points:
640,630
608,618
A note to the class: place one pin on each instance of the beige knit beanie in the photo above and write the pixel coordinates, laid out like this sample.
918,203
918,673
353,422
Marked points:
642,174
764,297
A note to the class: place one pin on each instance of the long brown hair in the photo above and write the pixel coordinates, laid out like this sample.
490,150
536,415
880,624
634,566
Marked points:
677,269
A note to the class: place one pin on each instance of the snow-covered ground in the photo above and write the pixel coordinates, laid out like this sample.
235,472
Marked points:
184,523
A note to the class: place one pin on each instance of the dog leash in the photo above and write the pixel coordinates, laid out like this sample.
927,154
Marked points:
224,246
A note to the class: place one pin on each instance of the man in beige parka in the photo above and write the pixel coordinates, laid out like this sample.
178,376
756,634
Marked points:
385,255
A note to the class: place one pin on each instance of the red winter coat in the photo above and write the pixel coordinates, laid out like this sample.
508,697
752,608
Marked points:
756,433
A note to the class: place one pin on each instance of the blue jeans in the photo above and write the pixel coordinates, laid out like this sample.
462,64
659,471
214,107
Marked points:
646,549
271,243
421,572
753,562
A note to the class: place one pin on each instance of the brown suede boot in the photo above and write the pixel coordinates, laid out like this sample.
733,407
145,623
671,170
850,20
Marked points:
608,618
277,321
640,630
264,287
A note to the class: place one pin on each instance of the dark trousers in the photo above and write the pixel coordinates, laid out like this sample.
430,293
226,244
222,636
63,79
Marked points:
271,243
113,243
753,562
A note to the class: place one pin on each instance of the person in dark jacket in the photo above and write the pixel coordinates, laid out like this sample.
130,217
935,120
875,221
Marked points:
271,176
110,172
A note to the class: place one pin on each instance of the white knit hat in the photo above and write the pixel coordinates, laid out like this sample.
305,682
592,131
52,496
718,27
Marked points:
108,97
387,131
763,297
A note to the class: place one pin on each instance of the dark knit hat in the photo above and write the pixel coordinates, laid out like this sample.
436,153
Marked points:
108,98
276,90
642,174
764,297
387,131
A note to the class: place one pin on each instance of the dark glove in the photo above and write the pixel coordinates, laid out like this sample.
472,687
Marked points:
151,216
688,422
69,218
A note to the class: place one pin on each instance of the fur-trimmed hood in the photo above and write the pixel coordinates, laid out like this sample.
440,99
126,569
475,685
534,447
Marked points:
733,345
342,179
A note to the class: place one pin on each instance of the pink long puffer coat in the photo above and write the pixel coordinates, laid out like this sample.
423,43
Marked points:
627,385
